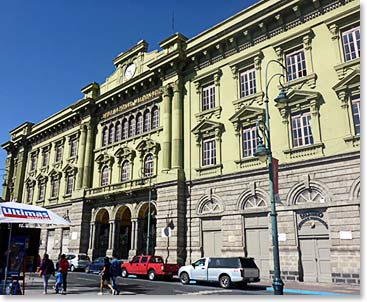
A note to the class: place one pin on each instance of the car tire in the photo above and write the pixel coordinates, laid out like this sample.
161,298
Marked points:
124,273
184,277
151,275
72,268
225,281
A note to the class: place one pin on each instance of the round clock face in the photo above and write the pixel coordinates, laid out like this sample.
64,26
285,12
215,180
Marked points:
129,71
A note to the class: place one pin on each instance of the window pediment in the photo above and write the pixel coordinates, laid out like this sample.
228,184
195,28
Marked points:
148,145
208,127
104,159
30,182
302,98
55,174
247,113
349,83
70,169
41,178
124,153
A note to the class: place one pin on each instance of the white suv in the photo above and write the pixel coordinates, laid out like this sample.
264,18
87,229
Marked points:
77,261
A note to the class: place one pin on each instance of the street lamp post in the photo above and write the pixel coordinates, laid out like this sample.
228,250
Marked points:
264,153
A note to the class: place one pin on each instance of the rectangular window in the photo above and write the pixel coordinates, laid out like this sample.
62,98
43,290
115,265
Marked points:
356,114
73,147
41,193
58,155
69,184
249,141
296,65
351,43
45,158
33,162
208,97
209,152
29,194
55,187
247,82
301,129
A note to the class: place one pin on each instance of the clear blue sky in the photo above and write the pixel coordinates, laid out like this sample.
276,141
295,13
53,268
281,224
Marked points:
50,49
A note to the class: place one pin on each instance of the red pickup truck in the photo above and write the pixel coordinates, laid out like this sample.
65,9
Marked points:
151,266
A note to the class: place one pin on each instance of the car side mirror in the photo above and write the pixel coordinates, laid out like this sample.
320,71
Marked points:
193,264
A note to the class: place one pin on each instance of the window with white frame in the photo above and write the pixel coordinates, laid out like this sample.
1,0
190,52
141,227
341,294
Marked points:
105,136
29,194
249,141
149,165
147,121
69,184
55,184
33,162
301,129
139,124
118,131
351,43
247,82
155,113
45,155
41,191
125,129
73,147
125,171
132,127
208,97
209,152
296,64
111,134
105,177
356,114
58,155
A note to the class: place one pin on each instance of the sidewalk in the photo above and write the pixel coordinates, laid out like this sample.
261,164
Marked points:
316,288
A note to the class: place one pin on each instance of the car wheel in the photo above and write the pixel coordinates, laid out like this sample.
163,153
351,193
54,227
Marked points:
184,277
124,273
151,275
225,281
72,268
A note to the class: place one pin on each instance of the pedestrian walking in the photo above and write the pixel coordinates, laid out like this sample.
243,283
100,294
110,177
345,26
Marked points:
115,272
46,269
58,283
105,276
63,268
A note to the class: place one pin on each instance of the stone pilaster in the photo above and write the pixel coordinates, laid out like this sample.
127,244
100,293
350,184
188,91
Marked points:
177,126
83,137
134,237
167,126
88,165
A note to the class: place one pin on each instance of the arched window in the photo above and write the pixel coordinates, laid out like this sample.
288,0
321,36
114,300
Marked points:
105,177
310,195
132,126
149,166
118,131
139,124
147,121
111,136
125,129
125,171
155,115
105,136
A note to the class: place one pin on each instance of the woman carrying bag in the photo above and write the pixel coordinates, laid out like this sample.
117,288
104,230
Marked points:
46,269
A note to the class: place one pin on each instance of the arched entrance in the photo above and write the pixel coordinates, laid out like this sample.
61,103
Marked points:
102,233
143,228
123,232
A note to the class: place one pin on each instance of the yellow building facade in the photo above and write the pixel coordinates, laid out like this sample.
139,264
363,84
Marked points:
168,141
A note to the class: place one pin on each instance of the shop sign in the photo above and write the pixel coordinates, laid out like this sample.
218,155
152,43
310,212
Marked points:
309,215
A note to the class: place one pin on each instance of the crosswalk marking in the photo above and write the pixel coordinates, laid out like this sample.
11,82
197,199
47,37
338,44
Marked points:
209,292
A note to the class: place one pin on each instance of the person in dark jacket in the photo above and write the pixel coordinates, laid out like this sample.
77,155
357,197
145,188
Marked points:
63,268
105,276
46,269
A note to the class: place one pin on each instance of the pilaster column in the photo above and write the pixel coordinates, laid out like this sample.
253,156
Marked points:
335,37
91,233
177,130
88,169
307,47
83,137
134,237
9,169
167,126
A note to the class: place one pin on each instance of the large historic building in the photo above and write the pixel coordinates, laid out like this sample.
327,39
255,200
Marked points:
170,136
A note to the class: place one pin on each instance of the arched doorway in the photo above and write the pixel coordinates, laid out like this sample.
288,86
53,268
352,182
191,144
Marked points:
123,232
143,228
102,233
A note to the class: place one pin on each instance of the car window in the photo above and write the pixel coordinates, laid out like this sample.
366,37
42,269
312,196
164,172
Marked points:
156,260
136,260
144,259
70,257
200,262
83,257
248,263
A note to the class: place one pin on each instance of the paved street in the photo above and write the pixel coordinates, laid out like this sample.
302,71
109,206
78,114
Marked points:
80,283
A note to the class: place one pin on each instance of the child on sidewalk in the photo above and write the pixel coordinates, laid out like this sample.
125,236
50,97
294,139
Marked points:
58,282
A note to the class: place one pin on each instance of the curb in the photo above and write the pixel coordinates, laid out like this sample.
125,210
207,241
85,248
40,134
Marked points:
308,292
